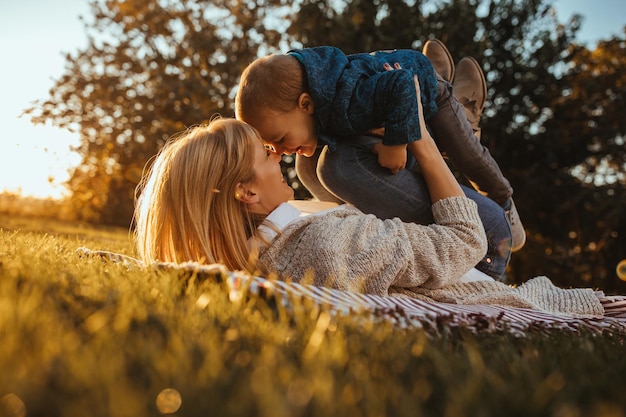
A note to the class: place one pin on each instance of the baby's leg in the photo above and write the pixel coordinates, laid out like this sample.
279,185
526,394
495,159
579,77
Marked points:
352,173
306,170
455,137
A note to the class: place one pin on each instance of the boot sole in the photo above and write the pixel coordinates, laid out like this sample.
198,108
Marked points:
448,56
482,78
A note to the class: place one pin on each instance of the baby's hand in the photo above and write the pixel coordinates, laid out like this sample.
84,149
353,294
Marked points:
391,157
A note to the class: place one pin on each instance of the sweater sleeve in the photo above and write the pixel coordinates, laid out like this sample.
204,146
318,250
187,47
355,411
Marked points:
444,251
538,293
351,251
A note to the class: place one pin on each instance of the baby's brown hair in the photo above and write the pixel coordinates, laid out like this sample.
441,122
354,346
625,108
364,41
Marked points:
274,82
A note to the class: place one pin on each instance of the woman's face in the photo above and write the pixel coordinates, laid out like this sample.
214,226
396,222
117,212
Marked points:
269,188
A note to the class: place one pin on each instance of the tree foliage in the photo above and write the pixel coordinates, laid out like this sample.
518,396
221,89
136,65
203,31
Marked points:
553,122
151,69
573,172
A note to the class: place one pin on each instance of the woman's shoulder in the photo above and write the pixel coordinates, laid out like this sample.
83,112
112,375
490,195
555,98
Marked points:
331,214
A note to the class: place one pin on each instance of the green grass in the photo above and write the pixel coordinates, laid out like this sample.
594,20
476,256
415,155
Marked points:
81,337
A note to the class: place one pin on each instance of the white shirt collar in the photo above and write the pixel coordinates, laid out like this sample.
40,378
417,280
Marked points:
279,218
474,275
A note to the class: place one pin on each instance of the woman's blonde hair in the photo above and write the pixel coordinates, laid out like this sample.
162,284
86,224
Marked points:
186,209
274,82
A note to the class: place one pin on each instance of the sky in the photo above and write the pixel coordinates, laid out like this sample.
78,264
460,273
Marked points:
34,36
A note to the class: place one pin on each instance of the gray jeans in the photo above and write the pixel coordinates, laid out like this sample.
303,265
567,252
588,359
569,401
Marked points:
455,138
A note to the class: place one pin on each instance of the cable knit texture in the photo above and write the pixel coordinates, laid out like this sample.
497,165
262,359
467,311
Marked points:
348,250
538,294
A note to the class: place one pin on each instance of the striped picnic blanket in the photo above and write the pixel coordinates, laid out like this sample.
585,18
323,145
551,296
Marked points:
434,317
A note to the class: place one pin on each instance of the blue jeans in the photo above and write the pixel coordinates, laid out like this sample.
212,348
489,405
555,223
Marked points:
352,174
455,138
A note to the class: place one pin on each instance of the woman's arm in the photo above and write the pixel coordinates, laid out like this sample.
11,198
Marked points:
347,250
439,179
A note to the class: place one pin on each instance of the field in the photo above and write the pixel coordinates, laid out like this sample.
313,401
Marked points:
81,337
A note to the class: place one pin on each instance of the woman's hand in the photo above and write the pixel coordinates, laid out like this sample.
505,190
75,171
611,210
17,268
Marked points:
390,157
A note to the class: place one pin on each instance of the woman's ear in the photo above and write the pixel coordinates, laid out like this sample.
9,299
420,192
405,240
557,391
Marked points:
305,102
245,194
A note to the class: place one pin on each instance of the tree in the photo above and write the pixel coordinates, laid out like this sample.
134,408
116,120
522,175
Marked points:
151,69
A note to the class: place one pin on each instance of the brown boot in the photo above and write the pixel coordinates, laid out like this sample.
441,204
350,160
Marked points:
470,89
440,57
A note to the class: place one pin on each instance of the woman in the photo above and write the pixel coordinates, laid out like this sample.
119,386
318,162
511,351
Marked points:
217,195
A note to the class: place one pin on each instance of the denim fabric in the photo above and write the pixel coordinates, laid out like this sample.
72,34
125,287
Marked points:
352,174
455,138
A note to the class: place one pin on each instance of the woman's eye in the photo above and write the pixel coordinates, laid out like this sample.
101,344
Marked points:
269,149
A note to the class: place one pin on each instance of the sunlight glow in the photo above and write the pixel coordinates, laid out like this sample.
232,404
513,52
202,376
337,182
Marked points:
34,160
168,401
621,270
12,405
39,164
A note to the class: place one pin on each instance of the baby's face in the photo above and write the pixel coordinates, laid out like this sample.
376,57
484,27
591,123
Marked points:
289,132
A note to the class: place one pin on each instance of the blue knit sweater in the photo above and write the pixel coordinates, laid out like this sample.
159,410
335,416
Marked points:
354,93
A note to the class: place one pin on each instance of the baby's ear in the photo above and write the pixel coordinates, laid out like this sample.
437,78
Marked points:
305,102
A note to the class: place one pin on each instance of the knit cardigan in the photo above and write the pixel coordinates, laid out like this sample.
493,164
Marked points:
351,251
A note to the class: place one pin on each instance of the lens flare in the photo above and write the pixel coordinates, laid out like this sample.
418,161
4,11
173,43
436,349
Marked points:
621,270
168,401
12,406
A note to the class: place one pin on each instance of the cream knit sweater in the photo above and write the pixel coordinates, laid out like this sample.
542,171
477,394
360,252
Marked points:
351,251
348,250
538,294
